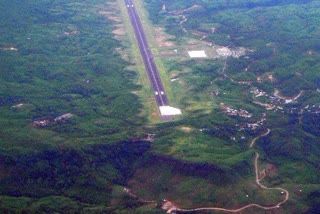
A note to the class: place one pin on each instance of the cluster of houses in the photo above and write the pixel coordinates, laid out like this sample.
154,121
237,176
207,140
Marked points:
227,52
255,125
234,112
46,122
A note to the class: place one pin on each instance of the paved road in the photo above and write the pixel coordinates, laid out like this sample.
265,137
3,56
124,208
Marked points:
151,68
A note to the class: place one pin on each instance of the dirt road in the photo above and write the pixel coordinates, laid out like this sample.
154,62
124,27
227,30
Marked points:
276,206
173,208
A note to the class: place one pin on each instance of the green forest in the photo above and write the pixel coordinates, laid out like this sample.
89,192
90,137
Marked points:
73,121
63,61
282,42
66,63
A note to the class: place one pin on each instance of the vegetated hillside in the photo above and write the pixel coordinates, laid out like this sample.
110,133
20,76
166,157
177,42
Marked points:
67,110
277,77
64,87
63,60
282,35
77,180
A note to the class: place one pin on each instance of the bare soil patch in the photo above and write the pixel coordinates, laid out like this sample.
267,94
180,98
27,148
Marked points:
162,38
112,13
119,31
186,129
271,170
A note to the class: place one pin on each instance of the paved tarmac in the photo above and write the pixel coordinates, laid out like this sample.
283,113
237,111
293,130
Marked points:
151,68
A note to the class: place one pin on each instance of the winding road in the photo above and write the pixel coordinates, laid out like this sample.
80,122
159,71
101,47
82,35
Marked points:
256,167
262,135
287,99
276,206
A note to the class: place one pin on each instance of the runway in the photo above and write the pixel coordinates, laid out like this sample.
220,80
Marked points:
151,68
